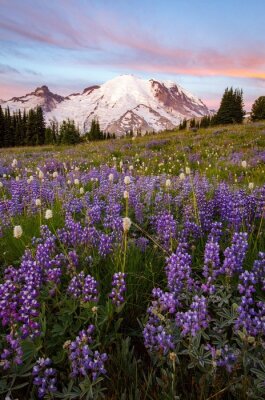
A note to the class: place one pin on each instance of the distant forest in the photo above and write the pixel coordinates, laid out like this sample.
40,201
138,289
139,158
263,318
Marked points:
29,129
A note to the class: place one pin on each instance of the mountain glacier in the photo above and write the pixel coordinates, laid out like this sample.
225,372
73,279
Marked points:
121,104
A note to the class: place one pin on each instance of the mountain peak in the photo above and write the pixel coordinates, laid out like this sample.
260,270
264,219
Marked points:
124,103
42,90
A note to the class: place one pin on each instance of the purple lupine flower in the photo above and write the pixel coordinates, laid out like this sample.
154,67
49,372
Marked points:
157,332
212,257
44,377
259,269
226,358
157,336
142,243
90,291
178,270
235,254
195,319
164,302
73,260
12,354
105,246
165,227
251,314
118,288
83,287
83,360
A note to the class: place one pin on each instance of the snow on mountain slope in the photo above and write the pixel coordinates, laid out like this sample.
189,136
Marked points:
121,104
40,97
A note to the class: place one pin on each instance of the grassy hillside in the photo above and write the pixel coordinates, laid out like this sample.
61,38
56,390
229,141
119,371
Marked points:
134,268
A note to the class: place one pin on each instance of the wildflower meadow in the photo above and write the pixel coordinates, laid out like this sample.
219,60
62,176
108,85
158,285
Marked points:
134,269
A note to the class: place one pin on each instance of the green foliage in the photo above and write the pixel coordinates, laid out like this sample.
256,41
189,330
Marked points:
192,123
183,125
205,121
95,133
231,109
258,109
18,130
68,133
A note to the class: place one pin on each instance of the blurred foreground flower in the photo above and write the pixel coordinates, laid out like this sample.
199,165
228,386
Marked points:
48,214
17,232
126,223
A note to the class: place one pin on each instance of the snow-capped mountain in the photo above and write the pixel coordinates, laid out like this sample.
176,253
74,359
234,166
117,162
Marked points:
121,104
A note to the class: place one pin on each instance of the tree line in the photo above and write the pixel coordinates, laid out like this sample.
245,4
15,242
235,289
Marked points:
231,111
22,129
29,129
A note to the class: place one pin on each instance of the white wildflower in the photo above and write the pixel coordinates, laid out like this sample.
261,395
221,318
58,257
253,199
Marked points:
244,164
41,174
38,202
125,194
111,177
168,183
82,190
76,181
55,174
187,170
251,185
14,163
1,185
126,223
182,176
127,180
17,232
48,214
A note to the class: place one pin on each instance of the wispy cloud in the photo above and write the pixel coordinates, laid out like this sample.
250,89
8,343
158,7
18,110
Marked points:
7,69
92,34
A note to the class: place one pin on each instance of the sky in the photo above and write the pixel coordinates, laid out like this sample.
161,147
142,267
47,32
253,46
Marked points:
204,45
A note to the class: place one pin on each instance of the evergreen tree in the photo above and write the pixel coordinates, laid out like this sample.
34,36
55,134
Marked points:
40,125
51,133
183,125
95,133
68,133
31,130
258,109
8,129
2,127
231,109
192,123
205,121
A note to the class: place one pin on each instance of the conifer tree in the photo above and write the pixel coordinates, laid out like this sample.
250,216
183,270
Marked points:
40,125
192,123
2,127
69,134
231,109
258,109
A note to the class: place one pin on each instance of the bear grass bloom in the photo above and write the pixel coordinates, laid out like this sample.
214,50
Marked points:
111,177
48,214
127,180
17,231
126,224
